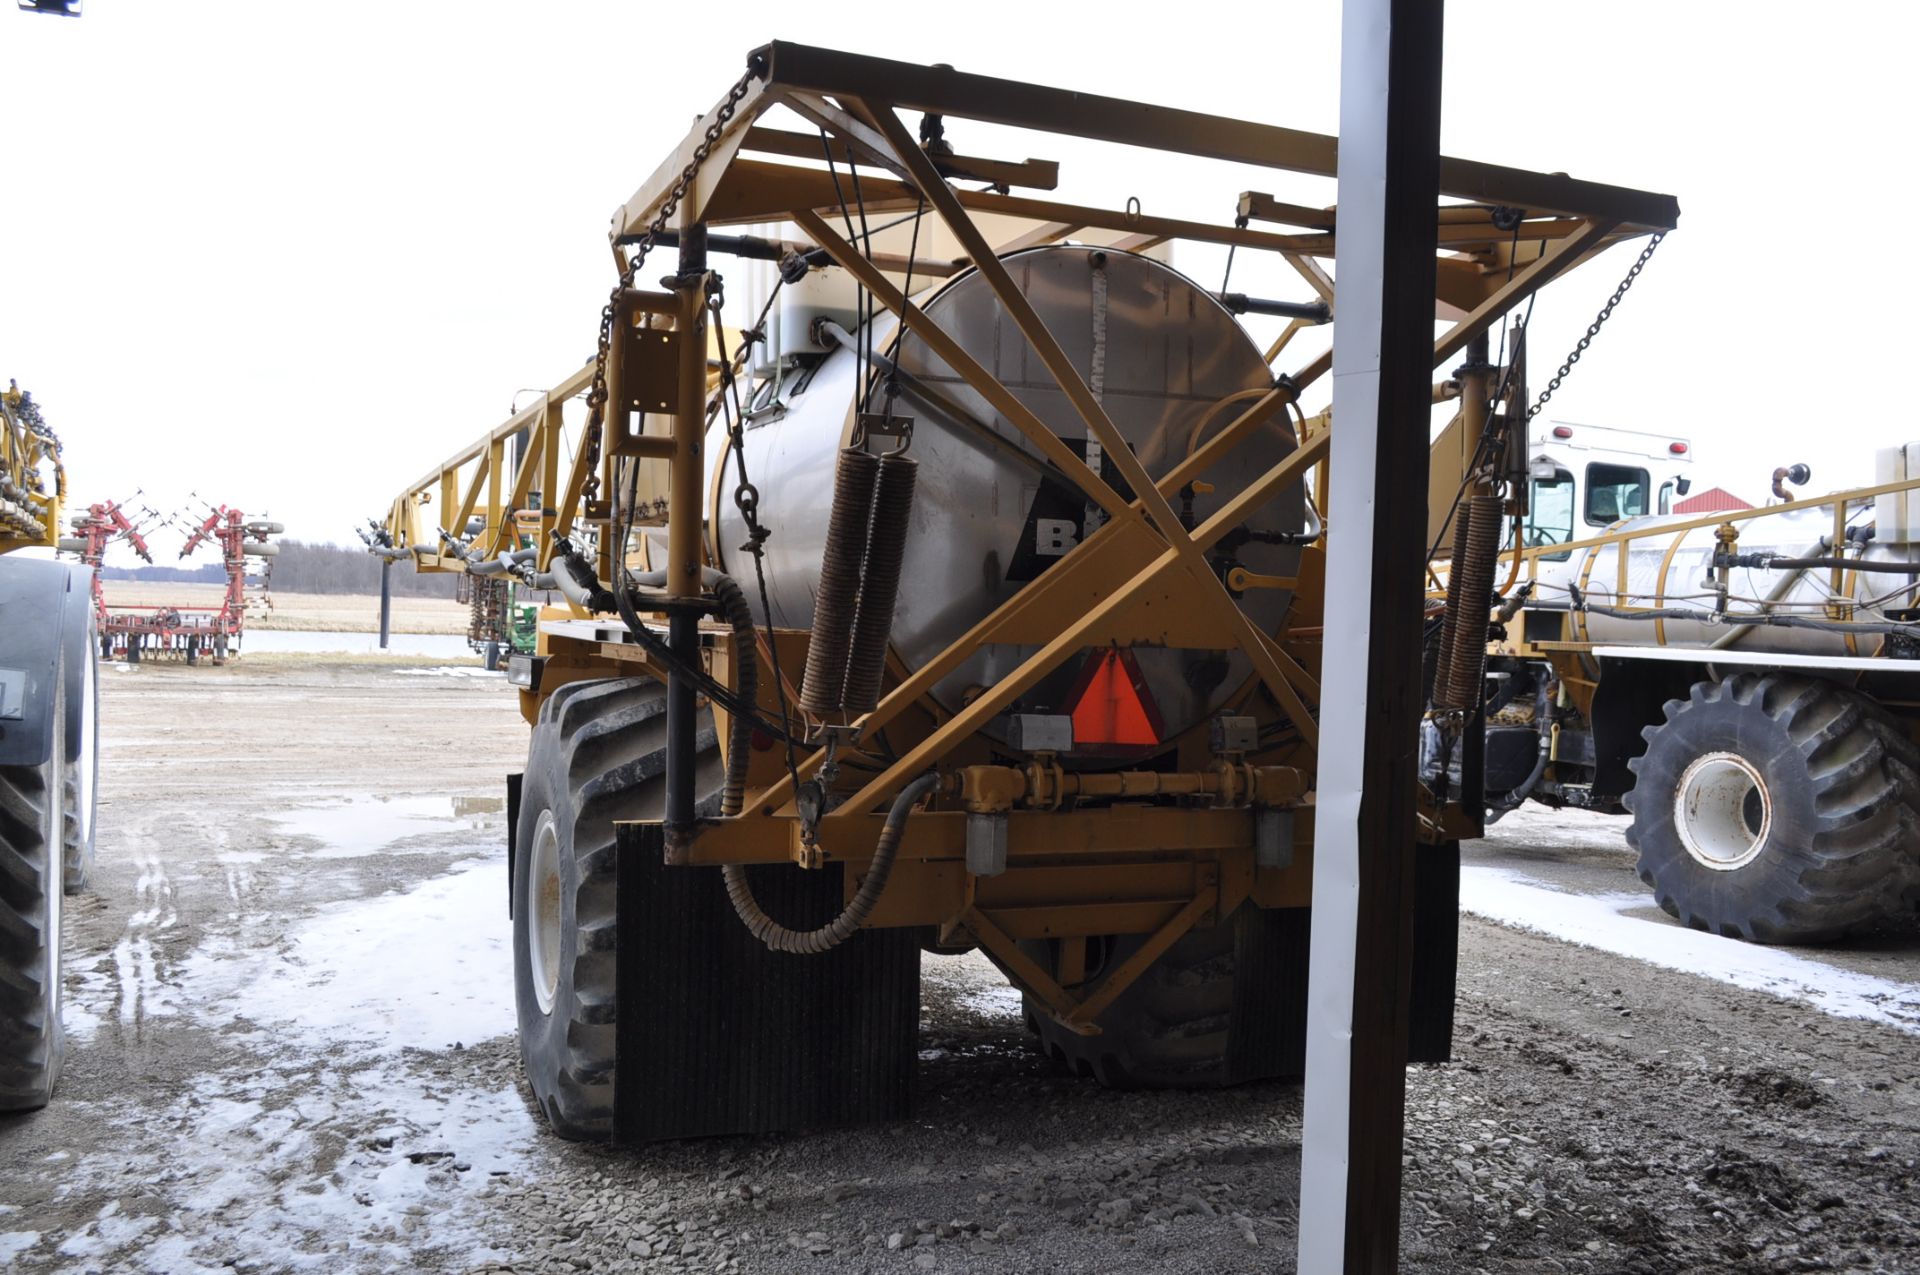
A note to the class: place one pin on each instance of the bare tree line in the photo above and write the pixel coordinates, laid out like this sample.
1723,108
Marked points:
301,567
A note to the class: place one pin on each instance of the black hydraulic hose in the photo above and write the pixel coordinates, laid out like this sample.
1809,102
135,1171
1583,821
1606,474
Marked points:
733,605
577,583
1241,303
1770,562
571,570
837,931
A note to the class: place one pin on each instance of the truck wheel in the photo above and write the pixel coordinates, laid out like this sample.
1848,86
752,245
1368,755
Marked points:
1777,808
598,755
32,1045
1225,1005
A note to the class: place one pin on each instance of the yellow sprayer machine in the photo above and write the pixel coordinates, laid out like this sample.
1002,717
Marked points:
968,594
1741,683
49,682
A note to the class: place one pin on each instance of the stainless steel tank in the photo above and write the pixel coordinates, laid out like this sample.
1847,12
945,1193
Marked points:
1163,357
1661,572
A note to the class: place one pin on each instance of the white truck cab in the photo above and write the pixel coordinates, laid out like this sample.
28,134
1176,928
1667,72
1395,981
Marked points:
1585,478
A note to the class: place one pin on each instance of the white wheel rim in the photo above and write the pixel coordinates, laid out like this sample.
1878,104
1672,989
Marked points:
542,903
1723,811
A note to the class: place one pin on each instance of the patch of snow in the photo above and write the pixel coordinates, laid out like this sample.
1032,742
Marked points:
339,1179
106,1233
449,670
14,1243
1535,825
340,1147
144,991
81,1023
975,983
1600,921
422,968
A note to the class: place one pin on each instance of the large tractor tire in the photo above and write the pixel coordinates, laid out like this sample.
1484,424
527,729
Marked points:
598,755
1223,1006
80,788
32,1044
1777,808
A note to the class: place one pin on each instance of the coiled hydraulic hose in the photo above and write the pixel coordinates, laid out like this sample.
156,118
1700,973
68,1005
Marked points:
879,583
823,686
733,604
843,927
1463,642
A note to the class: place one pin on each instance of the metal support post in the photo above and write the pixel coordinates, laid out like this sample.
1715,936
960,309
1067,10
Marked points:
1359,989
684,508
386,600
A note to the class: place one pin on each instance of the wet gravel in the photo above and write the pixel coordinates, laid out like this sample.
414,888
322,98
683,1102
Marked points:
1599,1116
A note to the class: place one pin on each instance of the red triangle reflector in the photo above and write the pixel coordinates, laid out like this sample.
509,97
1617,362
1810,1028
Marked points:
1114,705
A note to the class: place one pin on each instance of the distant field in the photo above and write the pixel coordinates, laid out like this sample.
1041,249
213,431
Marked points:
321,612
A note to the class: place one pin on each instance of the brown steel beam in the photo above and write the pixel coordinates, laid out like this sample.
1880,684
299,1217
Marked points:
1033,174
1561,256
1256,206
907,86
639,211
941,835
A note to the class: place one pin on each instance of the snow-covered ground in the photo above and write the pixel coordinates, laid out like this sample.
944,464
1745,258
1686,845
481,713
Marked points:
1570,875
1603,921
336,1128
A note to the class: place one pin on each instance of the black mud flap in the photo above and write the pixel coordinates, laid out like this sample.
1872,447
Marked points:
1269,1032
1267,1036
1436,952
718,1035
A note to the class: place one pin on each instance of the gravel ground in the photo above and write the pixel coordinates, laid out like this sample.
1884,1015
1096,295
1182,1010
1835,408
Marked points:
290,1009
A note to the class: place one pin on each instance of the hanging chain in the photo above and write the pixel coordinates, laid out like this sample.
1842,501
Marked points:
1593,329
746,497
597,394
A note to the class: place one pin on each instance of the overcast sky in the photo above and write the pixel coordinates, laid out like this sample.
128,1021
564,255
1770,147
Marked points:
289,254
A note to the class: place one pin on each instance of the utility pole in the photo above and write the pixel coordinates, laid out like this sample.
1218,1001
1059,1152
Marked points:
386,600
1363,867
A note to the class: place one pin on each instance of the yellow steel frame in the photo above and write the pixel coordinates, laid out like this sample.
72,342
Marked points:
29,514
441,499
1142,578
1574,642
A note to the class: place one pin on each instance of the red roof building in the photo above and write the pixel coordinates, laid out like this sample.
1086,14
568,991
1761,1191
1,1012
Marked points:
1714,500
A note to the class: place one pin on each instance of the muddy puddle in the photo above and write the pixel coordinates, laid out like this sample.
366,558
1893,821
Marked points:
354,826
